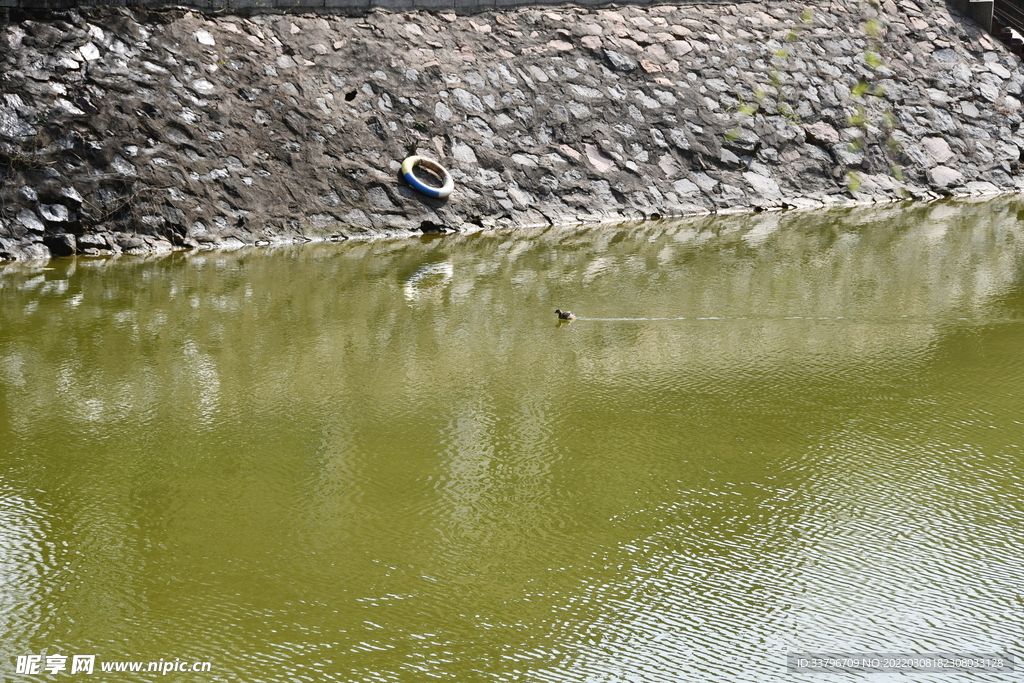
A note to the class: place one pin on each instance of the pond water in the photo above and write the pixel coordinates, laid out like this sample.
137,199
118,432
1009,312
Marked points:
387,461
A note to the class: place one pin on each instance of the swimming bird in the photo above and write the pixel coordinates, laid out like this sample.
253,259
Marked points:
564,315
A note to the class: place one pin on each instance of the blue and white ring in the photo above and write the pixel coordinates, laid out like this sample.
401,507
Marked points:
440,192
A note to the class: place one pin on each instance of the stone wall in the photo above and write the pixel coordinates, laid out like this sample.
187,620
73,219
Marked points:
322,6
140,131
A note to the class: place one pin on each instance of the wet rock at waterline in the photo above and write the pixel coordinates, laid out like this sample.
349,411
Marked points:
140,132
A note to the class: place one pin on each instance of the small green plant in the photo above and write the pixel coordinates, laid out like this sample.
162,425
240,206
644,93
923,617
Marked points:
853,181
859,118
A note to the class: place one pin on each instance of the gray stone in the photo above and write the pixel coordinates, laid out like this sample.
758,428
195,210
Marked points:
12,127
981,187
766,187
945,56
89,52
619,61
917,155
528,160
379,198
28,193
71,193
468,100
122,166
729,159
847,155
586,92
1007,150
685,188
669,166
480,126
54,213
704,181
944,176
968,109
678,138
962,74
999,70
989,92
463,153
30,221
442,111
938,149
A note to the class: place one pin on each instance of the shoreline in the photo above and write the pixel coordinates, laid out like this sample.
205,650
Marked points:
17,265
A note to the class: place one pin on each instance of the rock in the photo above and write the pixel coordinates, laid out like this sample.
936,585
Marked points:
680,47
463,153
685,188
917,156
20,251
61,245
597,159
54,213
71,193
999,70
729,159
28,193
129,243
821,133
988,91
202,86
204,37
962,74
944,177
89,52
981,187
93,241
938,149
945,56
12,127
121,165
766,187
968,109
669,166
846,155
569,152
618,61
30,221
468,100
442,111
591,42
705,182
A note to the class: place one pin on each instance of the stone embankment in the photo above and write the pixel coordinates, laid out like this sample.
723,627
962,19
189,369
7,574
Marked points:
141,131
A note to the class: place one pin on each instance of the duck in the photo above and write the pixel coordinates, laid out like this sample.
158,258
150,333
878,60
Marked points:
564,315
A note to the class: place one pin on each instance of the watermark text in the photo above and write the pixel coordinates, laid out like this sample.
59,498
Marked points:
32,665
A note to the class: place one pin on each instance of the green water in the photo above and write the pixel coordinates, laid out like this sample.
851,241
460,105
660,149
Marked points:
387,461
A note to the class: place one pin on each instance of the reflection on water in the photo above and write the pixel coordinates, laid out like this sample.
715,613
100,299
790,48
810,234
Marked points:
387,461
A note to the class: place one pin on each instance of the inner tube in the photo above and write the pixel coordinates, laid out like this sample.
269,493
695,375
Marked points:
440,192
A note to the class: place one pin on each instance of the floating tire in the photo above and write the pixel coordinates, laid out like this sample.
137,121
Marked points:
446,178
